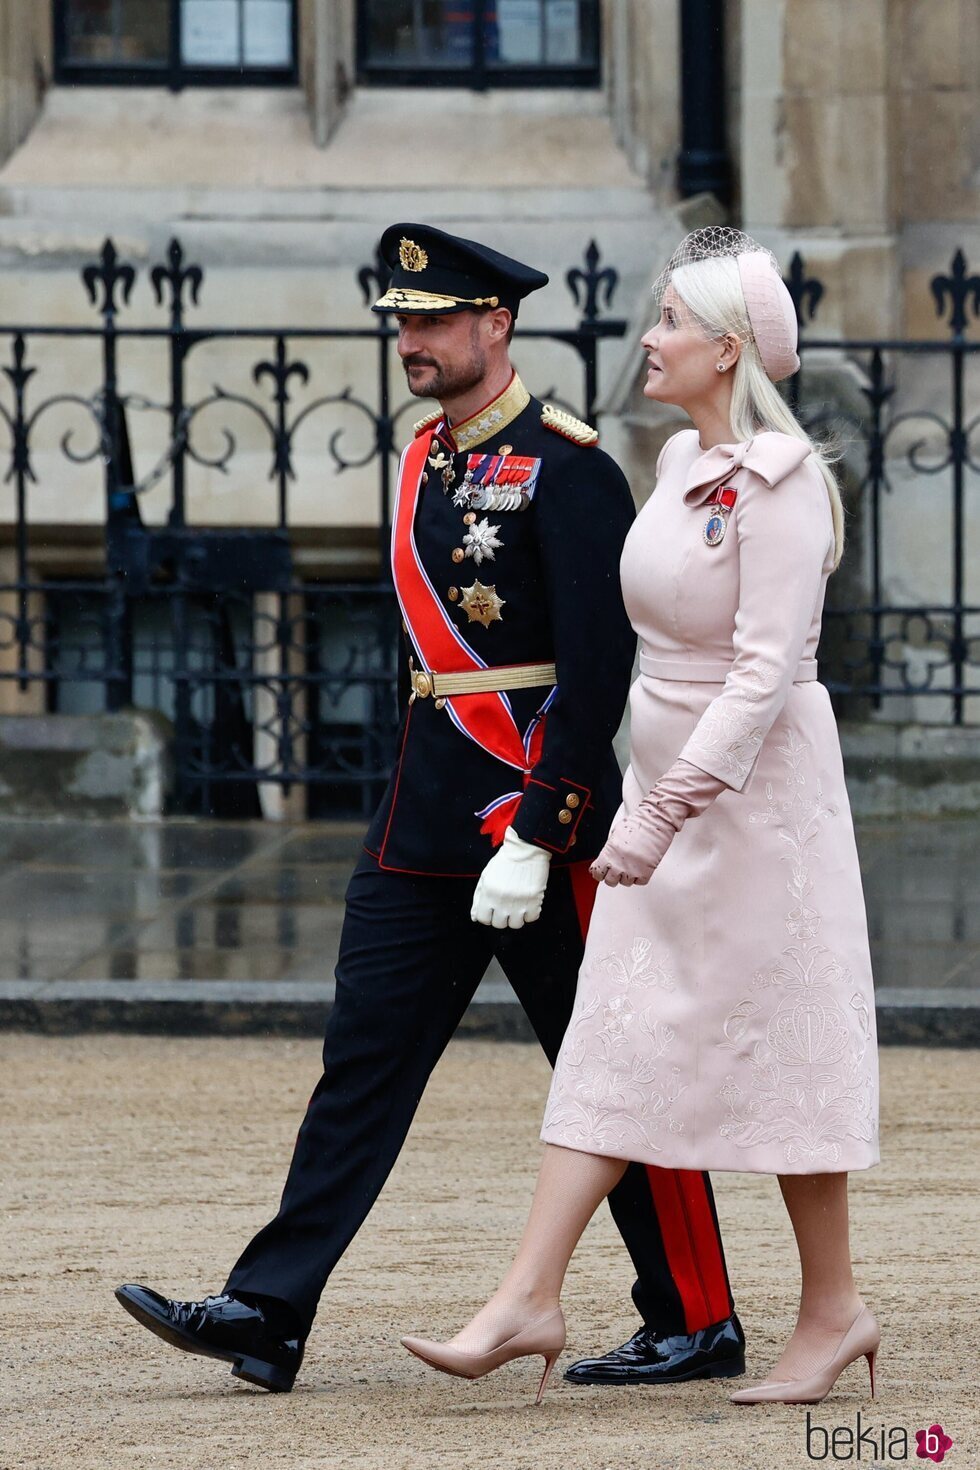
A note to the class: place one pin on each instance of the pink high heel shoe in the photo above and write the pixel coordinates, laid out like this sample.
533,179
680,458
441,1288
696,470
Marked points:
544,1337
861,1340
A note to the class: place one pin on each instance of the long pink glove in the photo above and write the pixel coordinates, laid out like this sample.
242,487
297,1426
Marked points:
636,844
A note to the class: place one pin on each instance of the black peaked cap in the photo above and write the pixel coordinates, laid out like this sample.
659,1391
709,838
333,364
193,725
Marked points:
434,273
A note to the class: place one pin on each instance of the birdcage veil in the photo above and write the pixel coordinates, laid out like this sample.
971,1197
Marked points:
769,316
713,242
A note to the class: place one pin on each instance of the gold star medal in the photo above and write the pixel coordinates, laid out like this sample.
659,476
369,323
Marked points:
481,604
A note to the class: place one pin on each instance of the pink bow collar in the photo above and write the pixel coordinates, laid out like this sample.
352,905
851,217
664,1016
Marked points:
769,455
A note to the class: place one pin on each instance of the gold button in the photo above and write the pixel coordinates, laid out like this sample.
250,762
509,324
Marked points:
564,816
572,800
506,449
404,626
440,704
453,594
425,477
459,555
469,518
573,839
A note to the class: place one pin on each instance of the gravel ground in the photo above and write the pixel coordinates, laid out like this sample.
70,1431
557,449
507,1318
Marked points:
135,1158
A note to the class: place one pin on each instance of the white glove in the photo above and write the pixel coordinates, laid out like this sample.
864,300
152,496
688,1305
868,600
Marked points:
511,887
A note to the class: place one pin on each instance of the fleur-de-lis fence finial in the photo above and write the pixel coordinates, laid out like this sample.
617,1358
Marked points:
111,276
806,291
959,289
178,277
587,286
281,370
19,375
373,279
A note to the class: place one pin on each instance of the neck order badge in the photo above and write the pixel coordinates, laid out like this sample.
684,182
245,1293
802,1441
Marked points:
721,508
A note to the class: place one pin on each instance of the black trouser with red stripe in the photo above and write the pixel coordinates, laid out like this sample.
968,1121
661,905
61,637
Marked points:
410,961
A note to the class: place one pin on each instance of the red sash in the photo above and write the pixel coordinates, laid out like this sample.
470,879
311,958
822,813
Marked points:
486,719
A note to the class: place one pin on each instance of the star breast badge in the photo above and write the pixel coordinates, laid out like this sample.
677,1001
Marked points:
481,541
481,604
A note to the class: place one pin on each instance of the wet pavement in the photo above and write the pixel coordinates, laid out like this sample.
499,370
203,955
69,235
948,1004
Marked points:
195,925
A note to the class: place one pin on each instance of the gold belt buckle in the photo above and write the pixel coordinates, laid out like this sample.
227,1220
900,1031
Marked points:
421,684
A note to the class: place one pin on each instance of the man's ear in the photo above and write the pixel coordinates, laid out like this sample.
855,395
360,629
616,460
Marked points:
498,324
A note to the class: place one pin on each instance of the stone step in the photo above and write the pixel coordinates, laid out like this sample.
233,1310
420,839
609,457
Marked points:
262,253
542,204
194,926
401,139
536,174
300,1008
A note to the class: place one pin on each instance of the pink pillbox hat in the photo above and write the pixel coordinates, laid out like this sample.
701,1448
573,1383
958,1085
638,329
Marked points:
772,314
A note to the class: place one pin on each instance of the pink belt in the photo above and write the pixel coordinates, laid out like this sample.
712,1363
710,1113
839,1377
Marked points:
708,672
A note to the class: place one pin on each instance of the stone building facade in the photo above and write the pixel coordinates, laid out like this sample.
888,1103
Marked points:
852,134
853,127
852,124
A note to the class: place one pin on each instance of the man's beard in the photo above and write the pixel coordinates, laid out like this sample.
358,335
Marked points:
447,382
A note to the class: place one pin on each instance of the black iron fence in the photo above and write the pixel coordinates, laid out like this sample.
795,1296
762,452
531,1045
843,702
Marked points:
272,675
887,642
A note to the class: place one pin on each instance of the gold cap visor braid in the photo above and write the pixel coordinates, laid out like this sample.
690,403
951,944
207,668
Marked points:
405,299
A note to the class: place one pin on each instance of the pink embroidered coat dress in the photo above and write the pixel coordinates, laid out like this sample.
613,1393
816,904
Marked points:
725,1011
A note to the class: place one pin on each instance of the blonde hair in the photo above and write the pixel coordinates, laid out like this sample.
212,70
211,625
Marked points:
712,292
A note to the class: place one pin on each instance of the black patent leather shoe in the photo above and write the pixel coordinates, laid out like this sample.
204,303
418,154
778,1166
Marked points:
711,1352
219,1327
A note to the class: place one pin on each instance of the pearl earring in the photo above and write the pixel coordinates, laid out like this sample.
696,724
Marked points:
720,366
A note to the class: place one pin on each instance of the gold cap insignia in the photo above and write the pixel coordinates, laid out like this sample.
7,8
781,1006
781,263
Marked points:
412,256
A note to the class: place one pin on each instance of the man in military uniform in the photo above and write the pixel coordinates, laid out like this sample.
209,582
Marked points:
506,537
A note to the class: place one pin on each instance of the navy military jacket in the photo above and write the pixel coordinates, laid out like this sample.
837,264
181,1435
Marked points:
554,565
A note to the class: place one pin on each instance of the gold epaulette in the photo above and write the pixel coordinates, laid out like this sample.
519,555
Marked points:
427,422
569,427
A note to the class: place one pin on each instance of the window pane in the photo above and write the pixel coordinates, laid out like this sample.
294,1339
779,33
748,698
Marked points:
145,31
420,32
268,33
520,32
547,32
117,31
538,34
563,38
210,33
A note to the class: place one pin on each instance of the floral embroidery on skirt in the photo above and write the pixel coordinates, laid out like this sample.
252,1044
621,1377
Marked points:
614,1089
811,1070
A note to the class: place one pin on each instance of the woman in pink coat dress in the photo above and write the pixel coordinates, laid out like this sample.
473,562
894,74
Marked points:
725,1010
